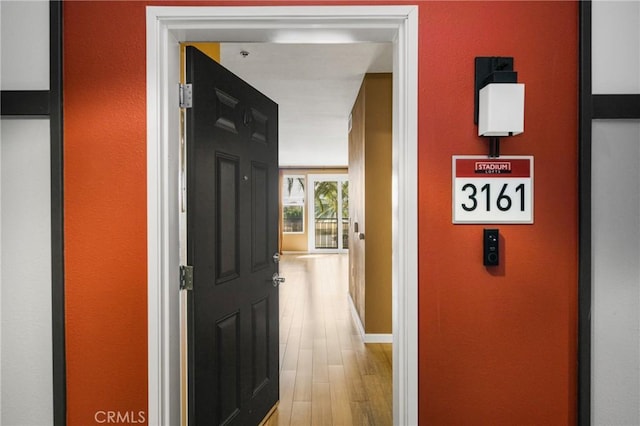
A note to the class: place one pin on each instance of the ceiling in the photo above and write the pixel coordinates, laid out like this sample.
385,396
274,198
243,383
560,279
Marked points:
315,86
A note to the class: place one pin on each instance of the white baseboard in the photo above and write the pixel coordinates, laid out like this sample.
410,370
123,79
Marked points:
378,338
367,337
356,318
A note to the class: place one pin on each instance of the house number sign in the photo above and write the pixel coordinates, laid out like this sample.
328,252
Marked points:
492,190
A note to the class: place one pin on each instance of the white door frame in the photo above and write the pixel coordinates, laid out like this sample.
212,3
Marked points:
166,27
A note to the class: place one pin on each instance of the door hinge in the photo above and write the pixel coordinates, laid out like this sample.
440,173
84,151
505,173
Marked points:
186,95
186,277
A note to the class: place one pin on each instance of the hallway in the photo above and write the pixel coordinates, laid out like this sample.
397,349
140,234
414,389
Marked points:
327,375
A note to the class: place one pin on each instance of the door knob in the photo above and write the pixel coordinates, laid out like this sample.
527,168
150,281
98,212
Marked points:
277,279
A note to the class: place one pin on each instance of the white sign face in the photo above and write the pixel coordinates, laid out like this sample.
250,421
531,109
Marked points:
492,190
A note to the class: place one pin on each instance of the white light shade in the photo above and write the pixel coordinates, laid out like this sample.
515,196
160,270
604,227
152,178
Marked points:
501,109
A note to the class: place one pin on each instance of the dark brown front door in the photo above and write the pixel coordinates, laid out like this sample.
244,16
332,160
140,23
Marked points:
232,219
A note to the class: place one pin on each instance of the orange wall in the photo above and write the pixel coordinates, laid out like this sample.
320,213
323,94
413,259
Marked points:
494,348
499,348
105,208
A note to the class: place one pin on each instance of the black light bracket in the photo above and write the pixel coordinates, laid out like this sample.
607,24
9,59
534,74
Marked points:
491,69
494,147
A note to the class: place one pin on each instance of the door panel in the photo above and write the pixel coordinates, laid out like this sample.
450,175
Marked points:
260,215
227,223
232,218
260,361
227,348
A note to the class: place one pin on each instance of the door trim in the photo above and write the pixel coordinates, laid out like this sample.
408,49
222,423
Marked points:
166,27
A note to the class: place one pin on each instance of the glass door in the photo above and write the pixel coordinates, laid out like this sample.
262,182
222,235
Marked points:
329,213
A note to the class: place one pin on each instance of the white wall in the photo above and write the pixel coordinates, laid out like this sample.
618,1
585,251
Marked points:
616,273
24,37
26,371
25,292
615,47
615,220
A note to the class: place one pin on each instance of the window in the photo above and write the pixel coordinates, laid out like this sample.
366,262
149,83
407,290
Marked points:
328,212
293,204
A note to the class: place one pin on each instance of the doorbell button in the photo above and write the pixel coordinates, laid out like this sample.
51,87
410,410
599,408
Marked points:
491,247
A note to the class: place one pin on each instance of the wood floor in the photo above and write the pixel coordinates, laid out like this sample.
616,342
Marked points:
328,376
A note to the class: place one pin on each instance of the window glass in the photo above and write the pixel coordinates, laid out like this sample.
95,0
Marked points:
293,203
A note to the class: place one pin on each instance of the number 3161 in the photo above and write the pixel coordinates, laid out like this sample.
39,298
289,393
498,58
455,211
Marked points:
503,202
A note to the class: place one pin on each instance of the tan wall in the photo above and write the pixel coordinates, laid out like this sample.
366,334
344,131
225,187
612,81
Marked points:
300,242
370,199
296,242
357,246
378,203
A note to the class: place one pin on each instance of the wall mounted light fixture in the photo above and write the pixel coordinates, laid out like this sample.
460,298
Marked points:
499,100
